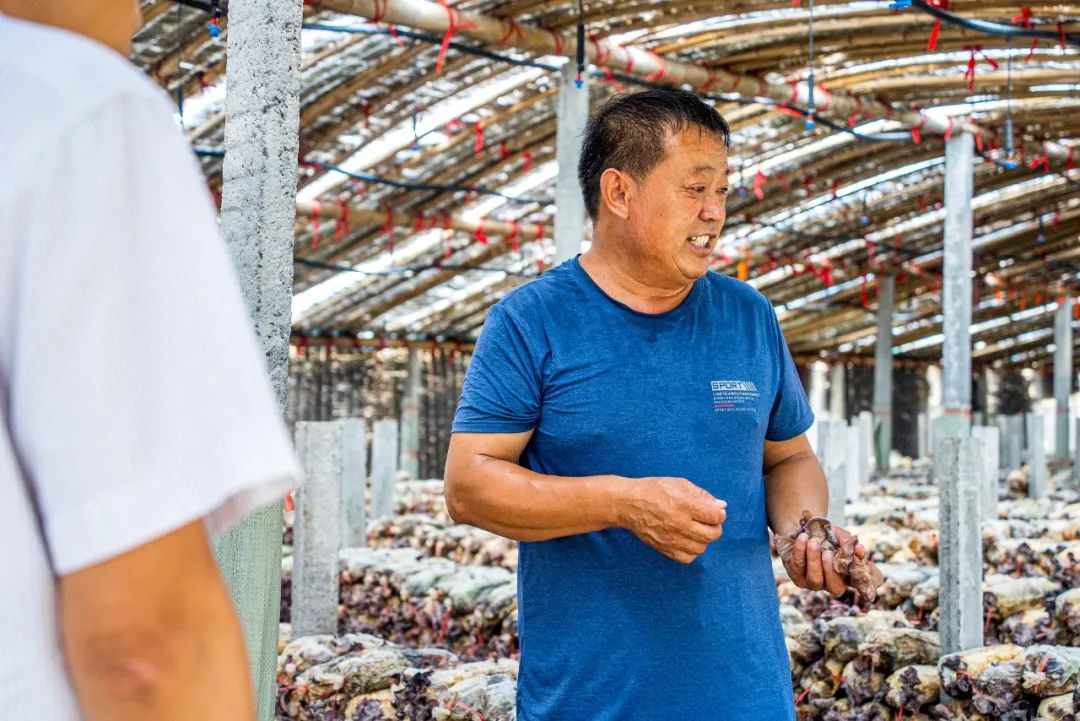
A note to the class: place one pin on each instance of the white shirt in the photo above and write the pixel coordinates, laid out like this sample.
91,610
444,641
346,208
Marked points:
133,396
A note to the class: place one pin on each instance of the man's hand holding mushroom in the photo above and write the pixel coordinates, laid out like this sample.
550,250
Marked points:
820,556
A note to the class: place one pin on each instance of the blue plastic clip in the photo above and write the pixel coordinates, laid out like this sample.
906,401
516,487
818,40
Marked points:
899,4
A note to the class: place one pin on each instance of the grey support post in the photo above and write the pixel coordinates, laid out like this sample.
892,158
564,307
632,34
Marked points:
262,139
1063,373
571,114
956,349
317,527
989,439
866,445
384,453
832,454
353,483
957,470
1036,456
883,374
410,417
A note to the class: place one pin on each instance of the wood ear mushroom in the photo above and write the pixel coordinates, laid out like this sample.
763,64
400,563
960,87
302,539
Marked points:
859,573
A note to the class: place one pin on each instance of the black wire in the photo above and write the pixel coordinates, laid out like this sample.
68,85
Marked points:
810,77
179,70
992,28
581,37
415,269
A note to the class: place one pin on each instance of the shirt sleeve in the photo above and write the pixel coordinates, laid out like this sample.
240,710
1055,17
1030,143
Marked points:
502,388
791,414
139,398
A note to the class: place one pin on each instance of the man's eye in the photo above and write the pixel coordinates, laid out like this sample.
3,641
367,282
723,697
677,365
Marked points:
698,189
723,191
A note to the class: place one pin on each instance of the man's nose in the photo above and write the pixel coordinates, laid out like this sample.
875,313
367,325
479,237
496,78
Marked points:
713,210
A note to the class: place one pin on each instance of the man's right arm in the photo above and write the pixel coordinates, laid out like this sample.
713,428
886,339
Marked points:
487,488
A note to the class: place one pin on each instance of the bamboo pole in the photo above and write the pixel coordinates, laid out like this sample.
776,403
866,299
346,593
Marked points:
504,33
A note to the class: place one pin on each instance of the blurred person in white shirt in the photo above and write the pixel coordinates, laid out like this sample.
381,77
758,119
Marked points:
136,415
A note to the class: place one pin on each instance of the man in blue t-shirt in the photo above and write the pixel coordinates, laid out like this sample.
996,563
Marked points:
620,412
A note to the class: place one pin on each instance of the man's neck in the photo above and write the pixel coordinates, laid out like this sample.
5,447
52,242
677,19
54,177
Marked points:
609,271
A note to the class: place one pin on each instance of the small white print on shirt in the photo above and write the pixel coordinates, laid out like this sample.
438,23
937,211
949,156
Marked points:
734,396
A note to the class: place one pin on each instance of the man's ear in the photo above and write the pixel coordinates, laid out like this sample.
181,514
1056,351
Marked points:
616,189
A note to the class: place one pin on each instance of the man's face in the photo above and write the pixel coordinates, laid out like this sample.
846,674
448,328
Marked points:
110,22
675,214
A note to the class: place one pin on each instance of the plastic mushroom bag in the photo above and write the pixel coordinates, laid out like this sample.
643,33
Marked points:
1051,670
1057,708
1005,595
959,671
844,635
859,574
913,687
889,648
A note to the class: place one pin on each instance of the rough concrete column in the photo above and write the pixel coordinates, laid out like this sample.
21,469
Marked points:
1012,435
262,119
957,469
883,374
989,438
1036,456
866,445
923,434
852,457
837,392
384,453
1076,459
956,288
832,454
317,527
410,417
353,483
1063,372
571,113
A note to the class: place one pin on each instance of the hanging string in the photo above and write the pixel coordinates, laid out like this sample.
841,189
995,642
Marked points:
579,81
215,20
1010,163
809,124
179,70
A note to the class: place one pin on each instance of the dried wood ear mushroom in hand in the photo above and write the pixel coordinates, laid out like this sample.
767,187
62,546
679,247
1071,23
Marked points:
857,572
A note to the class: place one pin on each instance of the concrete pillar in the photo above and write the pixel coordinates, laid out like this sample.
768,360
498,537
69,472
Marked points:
262,121
384,453
956,287
956,470
883,374
1036,456
866,445
923,434
353,483
818,388
1063,372
853,484
317,527
989,438
1076,458
410,417
832,454
1012,441
837,392
571,114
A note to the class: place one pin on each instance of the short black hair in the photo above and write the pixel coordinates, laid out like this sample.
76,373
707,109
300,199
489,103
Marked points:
629,133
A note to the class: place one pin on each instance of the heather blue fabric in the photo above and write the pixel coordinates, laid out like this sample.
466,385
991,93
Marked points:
611,629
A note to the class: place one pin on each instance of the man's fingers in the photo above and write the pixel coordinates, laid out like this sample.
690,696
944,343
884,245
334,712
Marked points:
815,579
834,582
704,533
796,567
708,510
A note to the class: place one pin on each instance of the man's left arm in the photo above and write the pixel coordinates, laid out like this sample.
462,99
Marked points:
794,482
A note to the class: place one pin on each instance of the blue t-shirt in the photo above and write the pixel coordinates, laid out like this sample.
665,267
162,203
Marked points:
610,629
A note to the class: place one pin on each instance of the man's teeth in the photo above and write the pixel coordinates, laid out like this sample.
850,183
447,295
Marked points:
700,240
